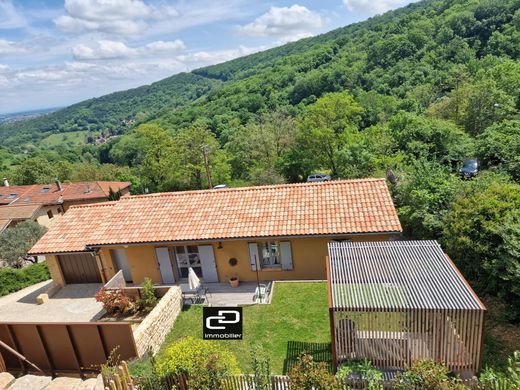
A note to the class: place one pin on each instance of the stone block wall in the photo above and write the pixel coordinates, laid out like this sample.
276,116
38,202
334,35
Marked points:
151,333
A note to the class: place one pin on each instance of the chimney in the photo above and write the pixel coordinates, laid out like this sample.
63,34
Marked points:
58,184
88,191
6,183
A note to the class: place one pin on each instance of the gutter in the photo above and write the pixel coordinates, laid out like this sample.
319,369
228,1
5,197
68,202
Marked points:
93,248
255,238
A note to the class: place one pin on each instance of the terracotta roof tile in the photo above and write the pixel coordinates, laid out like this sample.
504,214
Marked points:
47,194
71,232
336,207
22,211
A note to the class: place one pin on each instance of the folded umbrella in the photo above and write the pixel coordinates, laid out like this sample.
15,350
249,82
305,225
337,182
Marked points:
193,279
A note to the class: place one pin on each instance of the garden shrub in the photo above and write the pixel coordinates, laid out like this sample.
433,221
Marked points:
426,375
307,374
509,380
148,298
114,301
12,280
204,362
362,370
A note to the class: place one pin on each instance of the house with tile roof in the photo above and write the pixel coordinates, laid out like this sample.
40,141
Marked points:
44,202
277,232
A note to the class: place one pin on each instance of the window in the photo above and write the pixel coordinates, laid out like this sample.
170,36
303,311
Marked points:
188,256
45,189
269,254
12,196
49,214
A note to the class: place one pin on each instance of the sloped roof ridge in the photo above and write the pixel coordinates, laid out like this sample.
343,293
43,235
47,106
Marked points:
94,205
395,243
254,188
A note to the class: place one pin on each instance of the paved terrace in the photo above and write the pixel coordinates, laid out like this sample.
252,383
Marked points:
72,303
222,294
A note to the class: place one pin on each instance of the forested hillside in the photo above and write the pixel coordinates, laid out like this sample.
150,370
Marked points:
414,91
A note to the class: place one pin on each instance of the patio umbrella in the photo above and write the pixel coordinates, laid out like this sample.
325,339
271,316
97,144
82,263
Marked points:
193,279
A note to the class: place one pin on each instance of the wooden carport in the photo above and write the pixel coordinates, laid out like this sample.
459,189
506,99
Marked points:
397,302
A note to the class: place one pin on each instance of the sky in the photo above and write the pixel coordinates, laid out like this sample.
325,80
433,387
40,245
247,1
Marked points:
54,53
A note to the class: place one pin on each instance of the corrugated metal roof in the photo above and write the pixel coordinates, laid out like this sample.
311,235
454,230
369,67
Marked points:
396,275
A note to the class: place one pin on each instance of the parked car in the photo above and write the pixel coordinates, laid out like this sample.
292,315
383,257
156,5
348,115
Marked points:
317,177
220,186
470,168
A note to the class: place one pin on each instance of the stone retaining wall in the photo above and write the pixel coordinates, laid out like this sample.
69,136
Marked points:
151,333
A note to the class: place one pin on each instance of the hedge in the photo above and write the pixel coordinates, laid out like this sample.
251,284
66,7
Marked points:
12,280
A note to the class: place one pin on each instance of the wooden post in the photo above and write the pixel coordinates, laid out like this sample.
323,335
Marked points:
331,319
3,368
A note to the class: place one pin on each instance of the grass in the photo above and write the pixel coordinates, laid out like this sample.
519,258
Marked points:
12,280
72,138
296,319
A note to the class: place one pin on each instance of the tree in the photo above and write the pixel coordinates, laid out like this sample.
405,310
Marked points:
190,146
486,105
157,161
35,170
256,149
325,127
16,241
481,231
429,138
499,146
423,195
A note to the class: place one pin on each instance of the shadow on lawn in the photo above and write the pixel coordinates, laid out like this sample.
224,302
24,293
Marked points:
321,352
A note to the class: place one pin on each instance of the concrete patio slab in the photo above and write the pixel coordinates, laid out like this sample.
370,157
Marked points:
222,294
73,303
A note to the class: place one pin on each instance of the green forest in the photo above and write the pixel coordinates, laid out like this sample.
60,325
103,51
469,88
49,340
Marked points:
414,91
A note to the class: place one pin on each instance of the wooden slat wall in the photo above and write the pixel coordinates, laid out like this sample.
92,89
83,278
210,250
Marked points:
60,348
395,339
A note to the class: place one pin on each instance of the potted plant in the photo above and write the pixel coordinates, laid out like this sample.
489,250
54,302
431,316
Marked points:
233,281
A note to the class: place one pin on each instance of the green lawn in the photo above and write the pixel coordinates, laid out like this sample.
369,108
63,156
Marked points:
296,319
73,138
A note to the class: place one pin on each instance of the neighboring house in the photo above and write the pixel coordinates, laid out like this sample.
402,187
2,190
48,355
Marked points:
44,202
12,214
277,232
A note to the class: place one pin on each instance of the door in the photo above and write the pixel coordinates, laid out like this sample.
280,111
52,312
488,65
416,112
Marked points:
165,265
121,263
79,268
207,261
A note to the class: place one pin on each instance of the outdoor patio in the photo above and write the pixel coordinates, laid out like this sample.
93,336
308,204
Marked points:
72,303
222,294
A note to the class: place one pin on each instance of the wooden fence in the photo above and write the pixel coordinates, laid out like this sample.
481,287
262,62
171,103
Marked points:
63,348
233,382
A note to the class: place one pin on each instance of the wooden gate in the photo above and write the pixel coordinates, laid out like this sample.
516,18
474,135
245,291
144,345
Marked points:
62,348
79,268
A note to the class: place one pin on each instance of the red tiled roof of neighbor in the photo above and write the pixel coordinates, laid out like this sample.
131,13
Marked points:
48,194
329,208
19,211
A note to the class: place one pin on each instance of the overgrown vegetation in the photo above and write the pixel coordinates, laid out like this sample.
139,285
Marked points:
414,91
12,280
